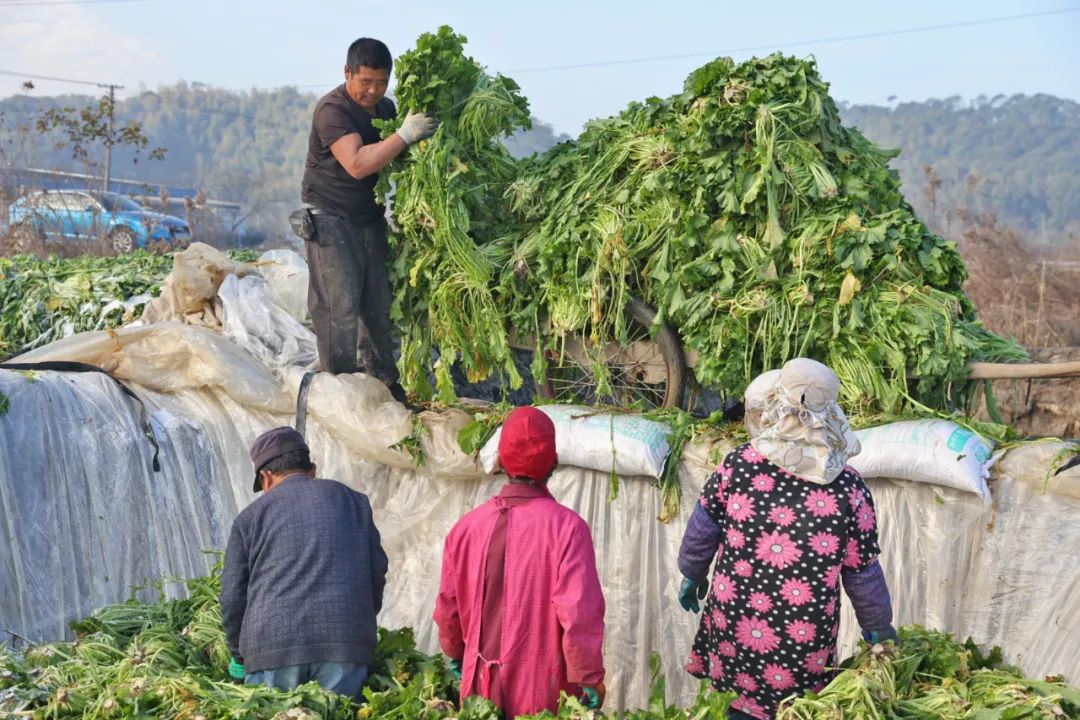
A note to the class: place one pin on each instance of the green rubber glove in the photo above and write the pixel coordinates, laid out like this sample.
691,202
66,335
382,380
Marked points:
455,667
594,695
690,592
885,634
236,670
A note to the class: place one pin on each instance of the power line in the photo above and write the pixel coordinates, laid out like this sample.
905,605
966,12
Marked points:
17,3
774,46
819,41
203,111
627,61
32,76
73,81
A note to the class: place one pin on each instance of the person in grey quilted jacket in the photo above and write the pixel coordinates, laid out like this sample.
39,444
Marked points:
304,575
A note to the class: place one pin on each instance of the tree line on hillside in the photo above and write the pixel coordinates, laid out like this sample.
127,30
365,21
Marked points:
246,147
1013,157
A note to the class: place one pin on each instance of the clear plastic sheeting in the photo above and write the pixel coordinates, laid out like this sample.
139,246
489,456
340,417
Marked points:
369,423
170,357
251,319
287,274
1004,574
189,293
1023,586
84,518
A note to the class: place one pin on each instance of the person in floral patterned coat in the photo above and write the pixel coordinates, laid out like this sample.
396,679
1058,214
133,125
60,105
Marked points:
787,521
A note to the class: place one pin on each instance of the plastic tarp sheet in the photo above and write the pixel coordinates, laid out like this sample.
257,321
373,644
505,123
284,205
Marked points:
84,518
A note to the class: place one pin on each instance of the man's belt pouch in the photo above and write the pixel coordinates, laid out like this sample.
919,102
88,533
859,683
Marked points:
302,224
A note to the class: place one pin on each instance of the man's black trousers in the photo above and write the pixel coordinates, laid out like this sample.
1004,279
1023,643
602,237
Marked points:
349,297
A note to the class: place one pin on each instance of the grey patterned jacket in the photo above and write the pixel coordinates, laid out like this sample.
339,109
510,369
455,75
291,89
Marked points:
303,578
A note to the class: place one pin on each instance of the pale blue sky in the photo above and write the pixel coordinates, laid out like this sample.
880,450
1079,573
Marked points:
244,43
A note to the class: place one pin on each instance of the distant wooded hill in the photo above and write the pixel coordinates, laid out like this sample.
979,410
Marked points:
1017,157
1013,156
237,146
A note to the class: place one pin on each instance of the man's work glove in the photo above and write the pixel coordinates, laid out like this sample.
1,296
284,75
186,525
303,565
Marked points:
416,127
236,670
594,695
455,667
690,592
881,635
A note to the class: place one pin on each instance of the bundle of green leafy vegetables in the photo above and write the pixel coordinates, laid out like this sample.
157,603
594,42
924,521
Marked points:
450,210
930,676
741,208
168,659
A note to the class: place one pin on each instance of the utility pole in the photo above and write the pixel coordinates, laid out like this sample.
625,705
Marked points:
109,136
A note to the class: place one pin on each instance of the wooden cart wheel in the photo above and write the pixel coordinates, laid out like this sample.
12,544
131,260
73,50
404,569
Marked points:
645,371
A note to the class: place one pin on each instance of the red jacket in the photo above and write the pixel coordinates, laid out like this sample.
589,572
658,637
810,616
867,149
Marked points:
543,620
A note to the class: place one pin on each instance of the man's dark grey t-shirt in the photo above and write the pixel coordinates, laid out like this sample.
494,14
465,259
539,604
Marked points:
326,184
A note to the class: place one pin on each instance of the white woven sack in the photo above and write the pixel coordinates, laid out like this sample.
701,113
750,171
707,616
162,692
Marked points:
938,452
626,444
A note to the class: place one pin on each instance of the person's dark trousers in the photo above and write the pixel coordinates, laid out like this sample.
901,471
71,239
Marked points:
349,298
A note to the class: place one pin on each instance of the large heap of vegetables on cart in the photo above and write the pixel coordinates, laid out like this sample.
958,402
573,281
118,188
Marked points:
756,225
741,209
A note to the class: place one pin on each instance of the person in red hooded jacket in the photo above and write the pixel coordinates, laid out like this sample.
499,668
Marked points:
520,609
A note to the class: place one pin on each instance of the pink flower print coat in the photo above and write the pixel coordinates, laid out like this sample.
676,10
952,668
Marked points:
775,581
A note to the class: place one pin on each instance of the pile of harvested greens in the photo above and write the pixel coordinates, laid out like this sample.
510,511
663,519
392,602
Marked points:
932,677
741,209
168,660
44,300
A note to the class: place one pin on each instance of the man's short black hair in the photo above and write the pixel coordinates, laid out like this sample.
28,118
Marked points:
293,460
369,52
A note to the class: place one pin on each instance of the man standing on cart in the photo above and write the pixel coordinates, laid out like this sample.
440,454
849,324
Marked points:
342,223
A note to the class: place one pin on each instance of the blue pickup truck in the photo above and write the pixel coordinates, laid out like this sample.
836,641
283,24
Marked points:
116,222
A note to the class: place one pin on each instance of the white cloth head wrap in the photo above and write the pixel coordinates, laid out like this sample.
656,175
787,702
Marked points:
759,394
802,428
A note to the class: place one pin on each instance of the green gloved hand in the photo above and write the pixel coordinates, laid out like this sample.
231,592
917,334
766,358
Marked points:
236,670
455,667
594,695
690,592
885,634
